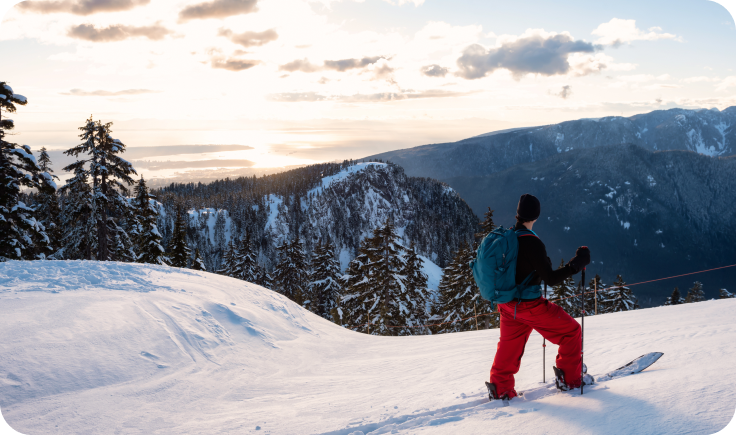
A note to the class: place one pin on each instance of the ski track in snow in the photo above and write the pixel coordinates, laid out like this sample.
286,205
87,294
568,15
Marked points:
92,347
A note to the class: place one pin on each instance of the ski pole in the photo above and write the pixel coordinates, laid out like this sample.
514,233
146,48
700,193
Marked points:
544,345
582,330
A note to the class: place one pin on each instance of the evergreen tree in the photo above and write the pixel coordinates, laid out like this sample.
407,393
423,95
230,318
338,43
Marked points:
179,251
110,176
459,298
563,294
487,225
725,294
290,275
324,288
246,264
79,219
675,299
123,248
228,261
695,294
22,236
197,263
619,297
416,295
263,278
376,288
146,234
48,209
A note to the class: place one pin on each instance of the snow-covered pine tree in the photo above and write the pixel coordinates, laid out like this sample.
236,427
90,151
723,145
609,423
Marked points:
459,298
725,294
376,287
619,297
324,287
263,278
290,274
47,206
110,177
78,218
179,251
122,248
197,263
22,236
228,261
486,226
147,236
350,311
563,294
695,294
675,298
246,264
415,294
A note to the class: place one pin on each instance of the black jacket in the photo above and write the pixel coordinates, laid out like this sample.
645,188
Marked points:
533,258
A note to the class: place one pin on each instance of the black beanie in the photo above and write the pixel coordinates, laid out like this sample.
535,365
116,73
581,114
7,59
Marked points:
528,208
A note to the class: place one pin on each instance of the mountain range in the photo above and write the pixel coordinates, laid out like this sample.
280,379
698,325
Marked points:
652,195
710,132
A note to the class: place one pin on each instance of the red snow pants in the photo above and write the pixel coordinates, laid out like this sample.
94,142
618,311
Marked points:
549,320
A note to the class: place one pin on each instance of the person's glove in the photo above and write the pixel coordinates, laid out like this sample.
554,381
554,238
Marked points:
580,260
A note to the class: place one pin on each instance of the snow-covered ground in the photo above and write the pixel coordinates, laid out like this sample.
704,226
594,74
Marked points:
112,348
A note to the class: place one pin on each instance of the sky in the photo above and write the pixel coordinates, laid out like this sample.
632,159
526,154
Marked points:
273,83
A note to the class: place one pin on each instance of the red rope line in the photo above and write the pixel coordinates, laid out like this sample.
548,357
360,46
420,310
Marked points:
552,300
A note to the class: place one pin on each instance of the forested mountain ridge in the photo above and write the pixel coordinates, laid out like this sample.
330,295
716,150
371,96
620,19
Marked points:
342,203
709,132
645,214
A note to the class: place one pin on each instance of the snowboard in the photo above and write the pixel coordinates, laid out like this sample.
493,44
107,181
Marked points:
631,368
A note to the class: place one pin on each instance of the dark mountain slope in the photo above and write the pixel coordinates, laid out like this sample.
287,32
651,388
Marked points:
644,214
709,132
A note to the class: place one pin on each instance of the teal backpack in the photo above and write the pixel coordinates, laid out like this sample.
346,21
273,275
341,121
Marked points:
494,267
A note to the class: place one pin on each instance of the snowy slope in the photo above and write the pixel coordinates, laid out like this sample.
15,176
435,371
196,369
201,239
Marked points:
106,348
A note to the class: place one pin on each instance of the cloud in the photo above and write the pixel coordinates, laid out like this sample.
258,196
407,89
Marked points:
156,166
295,97
83,7
700,79
232,64
346,64
117,32
302,65
101,93
565,92
172,150
434,70
416,3
726,83
639,78
217,9
342,65
382,71
534,52
250,39
617,32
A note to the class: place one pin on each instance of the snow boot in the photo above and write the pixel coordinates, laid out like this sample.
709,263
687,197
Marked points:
493,394
563,386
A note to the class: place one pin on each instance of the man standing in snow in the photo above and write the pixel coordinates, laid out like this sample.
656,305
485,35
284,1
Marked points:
532,311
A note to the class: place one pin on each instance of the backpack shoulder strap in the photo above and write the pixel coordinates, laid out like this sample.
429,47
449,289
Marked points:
526,233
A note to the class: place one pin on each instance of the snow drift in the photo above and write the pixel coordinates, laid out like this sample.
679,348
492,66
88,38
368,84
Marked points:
92,347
